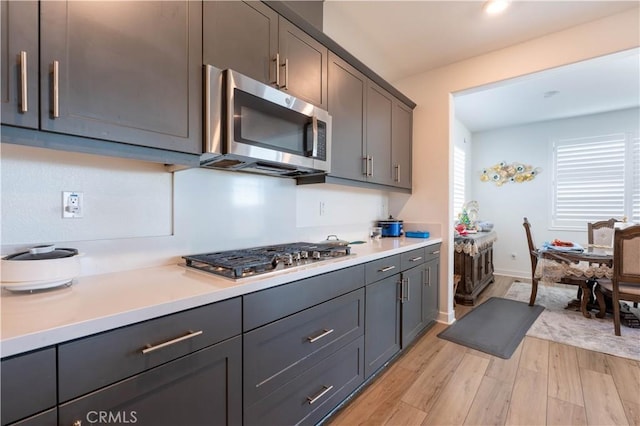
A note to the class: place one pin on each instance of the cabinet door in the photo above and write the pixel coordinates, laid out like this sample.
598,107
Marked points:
430,291
303,64
379,107
19,63
401,136
203,388
413,309
28,384
242,36
123,71
347,88
382,323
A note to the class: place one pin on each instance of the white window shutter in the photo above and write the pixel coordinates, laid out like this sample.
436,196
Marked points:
588,180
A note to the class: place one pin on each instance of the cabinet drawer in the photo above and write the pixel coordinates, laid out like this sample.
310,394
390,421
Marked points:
382,268
203,388
312,395
279,352
412,258
268,305
92,362
432,252
28,384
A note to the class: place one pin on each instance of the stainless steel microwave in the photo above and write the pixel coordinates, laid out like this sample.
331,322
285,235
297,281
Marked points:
253,127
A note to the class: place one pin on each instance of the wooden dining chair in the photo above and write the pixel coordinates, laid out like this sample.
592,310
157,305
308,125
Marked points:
601,233
533,254
625,282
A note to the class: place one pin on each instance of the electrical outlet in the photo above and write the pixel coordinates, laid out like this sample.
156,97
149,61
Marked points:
322,208
72,204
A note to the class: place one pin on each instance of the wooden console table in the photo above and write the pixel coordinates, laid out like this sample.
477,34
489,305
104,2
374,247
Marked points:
473,261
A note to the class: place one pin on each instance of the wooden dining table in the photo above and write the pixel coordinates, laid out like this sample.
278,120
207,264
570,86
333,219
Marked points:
581,268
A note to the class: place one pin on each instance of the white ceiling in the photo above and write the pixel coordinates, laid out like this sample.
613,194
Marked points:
599,85
398,39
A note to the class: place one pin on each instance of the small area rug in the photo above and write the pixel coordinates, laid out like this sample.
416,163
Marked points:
570,327
495,327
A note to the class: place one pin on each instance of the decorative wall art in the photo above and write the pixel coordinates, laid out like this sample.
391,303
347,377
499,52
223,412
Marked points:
516,172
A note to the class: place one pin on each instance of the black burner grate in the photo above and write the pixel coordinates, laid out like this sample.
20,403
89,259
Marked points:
258,260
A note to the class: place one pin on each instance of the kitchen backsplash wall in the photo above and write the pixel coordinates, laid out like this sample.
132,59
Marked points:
137,214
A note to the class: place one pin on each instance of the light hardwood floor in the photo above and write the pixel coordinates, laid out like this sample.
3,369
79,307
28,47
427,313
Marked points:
437,382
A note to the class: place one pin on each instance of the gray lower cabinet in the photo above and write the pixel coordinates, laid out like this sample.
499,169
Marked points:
303,347
127,72
28,387
413,303
254,40
431,289
312,395
203,388
19,63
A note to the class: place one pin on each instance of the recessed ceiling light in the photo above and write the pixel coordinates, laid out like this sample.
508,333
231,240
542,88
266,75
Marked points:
550,93
494,7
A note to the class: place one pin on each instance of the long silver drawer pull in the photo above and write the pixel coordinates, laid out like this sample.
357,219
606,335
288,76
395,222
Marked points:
23,82
286,74
56,89
277,61
387,268
320,395
415,259
435,252
371,167
191,335
320,336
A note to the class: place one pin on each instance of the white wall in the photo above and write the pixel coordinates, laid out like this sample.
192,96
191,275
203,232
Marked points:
432,91
137,214
506,205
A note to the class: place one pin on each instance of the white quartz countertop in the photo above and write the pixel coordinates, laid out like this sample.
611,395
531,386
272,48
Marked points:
98,303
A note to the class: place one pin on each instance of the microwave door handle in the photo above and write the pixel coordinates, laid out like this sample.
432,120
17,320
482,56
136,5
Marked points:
314,126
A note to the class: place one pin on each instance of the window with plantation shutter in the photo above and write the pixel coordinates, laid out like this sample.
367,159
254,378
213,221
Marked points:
590,180
635,191
458,180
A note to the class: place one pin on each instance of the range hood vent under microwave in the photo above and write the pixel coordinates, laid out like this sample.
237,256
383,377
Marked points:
255,128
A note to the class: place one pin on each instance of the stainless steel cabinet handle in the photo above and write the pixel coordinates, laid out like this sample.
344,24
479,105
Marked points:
191,335
435,252
56,89
286,74
24,107
408,287
371,166
365,163
401,296
325,389
386,268
277,68
397,170
320,336
415,259
314,127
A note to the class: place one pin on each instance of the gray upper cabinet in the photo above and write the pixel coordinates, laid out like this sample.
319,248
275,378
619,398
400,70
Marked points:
372,130
303,65
242,36
123,71
253,39
347,88
19,63
378,147
401,144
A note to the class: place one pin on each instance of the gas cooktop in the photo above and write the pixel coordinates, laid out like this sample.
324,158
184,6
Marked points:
260,260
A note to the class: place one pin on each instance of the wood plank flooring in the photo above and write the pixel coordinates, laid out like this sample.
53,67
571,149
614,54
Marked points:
437,382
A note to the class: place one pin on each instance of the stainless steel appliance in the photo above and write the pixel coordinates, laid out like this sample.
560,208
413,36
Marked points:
259,260
253,127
